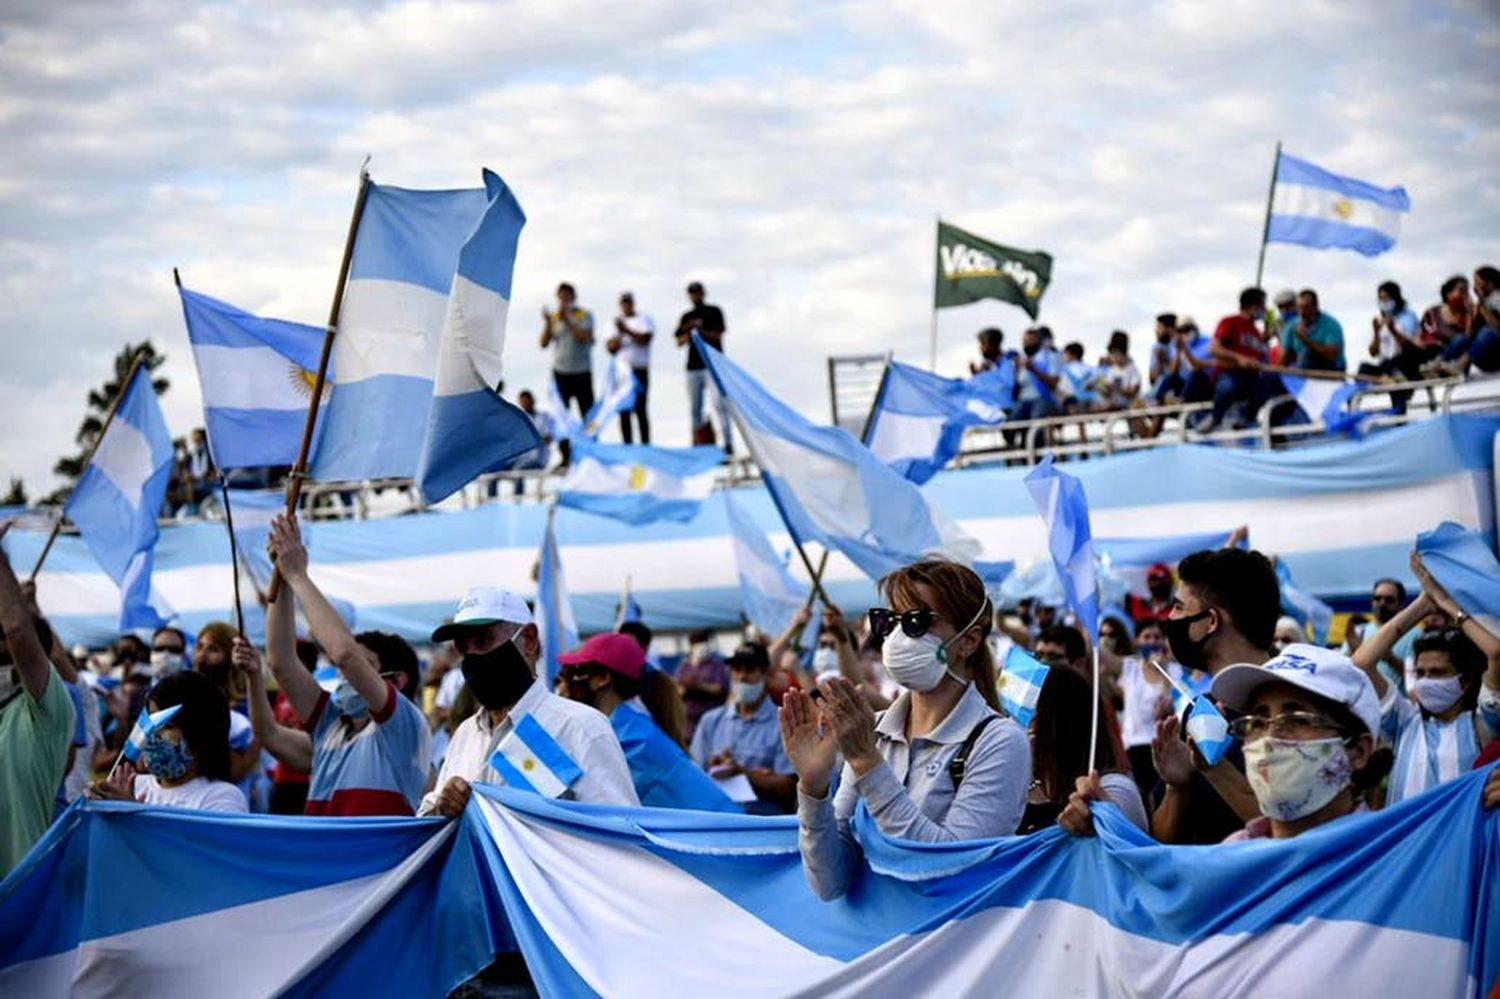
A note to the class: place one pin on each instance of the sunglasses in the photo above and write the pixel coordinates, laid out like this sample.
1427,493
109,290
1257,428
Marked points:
915,623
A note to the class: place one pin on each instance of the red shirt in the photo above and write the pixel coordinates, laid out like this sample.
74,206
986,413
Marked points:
280,772
1239,335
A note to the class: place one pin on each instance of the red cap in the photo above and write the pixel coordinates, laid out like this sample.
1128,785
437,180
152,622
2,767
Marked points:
613,651
1159,571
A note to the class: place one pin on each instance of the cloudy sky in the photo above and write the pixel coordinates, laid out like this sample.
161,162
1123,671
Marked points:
791,156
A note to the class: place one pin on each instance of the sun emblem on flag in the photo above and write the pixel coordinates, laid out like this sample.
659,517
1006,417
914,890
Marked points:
1343,208
637,477
303,381
528,764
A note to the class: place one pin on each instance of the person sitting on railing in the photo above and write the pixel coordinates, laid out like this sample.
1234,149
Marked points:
1079,385
1038,369
1445,322
1239,351
1166,380
1480,344
1316,340
991,347
1120,378
1393,341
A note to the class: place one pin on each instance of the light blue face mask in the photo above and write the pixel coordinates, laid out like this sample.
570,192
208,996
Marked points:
167,759
348,701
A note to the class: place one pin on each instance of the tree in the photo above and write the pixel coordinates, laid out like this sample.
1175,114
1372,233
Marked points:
17,494
70,467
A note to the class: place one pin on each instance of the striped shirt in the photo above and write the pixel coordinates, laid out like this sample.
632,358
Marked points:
380,769
1428,751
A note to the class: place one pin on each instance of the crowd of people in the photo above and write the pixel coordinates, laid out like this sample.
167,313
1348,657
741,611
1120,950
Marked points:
1238,367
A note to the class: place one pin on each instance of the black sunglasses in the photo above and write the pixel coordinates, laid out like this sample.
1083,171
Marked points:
915,623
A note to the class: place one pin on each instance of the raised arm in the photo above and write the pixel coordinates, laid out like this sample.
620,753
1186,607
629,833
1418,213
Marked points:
56,652
1376,647
290,746
1488,643
787,639
358,664
20,630
300,689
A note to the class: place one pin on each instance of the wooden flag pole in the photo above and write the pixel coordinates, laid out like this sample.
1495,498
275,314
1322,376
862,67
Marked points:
299,470
1260,264
109,417
936,277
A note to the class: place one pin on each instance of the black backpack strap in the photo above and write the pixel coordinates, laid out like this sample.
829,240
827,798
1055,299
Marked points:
961,759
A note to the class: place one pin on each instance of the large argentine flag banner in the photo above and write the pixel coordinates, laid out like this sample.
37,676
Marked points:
402,294
1314,207
257,376
1401,902
554,604
768,591
830,488
919,419
639,483
118,496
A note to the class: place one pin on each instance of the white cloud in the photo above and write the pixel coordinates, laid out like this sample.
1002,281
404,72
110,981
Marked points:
791,156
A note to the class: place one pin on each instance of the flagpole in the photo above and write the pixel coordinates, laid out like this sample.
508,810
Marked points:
1260,264
1094,718
114,407
932,335
299,470
234,552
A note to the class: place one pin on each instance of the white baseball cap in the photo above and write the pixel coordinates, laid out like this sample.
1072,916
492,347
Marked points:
484,605
1321,671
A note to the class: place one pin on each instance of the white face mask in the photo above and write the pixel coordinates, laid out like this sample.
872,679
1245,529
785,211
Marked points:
916,663
825,659
165,663
1437,694
1294,778
748,693
348,701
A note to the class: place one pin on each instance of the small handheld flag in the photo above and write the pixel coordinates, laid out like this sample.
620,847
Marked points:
1020,684
1208,730
1064,508
531,760
146,725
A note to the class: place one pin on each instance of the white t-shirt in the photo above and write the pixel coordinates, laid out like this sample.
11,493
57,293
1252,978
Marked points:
637,355
1138,720
448,688
1118,381
200,793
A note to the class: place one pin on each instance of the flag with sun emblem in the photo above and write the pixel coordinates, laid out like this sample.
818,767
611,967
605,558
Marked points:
257,376
638,483
1313,207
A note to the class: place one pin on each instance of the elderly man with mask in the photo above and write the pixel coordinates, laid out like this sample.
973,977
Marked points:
494,632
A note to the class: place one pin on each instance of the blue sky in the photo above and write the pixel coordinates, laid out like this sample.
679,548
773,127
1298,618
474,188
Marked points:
791,156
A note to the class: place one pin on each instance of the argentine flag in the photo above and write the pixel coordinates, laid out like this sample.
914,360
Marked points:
1020,684
1303,606
1313,207
620,389
529,759
1463,564
554,604
1328,399
769,594
1060,499
919,418
148,723
257,377
423,314
639,483
118,496
1208,730
830,488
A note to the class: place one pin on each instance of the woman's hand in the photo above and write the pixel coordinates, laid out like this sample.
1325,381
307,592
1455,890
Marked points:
245,658
851,721
1170,754
1078,817
286,548
808,745
120,786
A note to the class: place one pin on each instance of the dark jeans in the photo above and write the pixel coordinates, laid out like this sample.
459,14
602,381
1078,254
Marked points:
1232,387
1408,364
578,386
1483,349
643,380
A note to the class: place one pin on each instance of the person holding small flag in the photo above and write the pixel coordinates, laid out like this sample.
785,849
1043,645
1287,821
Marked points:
941,764
573,751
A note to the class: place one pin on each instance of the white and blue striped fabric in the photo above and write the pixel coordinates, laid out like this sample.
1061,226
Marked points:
919,418
257,377
1464,564
1064,508
115,503
639,483
830,488
554,605
529,759
470,428
1302,606
618,395
1314,207
1397,902
406,574
769,593
1020,684
145,724
395,308
1208,730
1328,400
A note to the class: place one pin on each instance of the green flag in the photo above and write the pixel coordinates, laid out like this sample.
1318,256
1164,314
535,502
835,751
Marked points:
970,268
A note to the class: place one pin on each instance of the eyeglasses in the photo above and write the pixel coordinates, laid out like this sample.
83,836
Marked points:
915,623
1291,725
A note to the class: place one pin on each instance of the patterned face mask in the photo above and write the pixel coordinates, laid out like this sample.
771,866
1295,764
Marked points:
1293,778
167,759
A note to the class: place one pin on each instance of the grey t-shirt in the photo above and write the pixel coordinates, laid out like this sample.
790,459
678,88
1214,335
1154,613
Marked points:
570,356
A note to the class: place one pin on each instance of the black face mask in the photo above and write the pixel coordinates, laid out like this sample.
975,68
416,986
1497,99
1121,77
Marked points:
498,677
1186,650
1031,349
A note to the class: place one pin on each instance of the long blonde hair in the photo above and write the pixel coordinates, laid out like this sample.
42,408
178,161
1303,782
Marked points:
960,597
